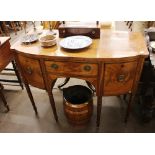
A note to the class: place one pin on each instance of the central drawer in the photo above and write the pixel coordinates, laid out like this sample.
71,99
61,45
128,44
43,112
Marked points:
72,68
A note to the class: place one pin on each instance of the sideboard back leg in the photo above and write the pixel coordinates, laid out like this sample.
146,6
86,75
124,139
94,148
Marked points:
99,106
131,98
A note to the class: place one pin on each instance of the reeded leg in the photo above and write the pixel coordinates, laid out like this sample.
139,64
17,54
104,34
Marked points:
129,107
52,102
99,106
31,98
64,83
3,98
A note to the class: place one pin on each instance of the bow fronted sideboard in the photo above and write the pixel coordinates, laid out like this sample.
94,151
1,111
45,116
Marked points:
112,64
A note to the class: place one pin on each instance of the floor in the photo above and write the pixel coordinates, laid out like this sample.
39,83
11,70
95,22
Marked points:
21,117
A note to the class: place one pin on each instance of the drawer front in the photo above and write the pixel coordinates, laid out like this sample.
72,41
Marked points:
119,78
71,68
32,71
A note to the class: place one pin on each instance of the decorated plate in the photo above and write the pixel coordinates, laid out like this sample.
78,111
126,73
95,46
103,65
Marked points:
75,42
30,38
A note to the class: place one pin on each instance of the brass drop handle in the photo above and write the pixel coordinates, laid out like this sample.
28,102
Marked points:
54,66
29,70
87,68
121,78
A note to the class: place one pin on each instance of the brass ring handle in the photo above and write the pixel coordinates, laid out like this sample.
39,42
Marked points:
87,68
93,32
54,66
121,78
29,70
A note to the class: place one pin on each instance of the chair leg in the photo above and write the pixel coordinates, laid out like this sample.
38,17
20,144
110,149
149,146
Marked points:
6,31
31,98
1,32
129,107
17,74
14,27
3,98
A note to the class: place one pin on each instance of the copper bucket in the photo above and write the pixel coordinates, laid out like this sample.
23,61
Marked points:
78,104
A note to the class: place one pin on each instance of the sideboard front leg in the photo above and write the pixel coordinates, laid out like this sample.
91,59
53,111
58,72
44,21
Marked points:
52,102
131,98
31,98
99,106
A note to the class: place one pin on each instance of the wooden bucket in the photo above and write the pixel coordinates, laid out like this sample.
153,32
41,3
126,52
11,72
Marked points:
78,104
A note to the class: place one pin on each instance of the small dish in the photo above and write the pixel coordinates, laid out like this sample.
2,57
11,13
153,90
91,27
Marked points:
47,40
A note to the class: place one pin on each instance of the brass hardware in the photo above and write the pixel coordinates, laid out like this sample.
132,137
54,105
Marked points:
29,70
87,68
93,32
54,66
63,31
121,78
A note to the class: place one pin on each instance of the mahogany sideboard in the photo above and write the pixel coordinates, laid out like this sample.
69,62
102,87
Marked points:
113,64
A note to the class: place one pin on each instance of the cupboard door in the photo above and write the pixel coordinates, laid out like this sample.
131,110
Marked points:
31,71
119,78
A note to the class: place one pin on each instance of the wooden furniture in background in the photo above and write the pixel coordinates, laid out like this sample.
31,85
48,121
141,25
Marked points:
6,56
89,29
112,64
7,26
3,97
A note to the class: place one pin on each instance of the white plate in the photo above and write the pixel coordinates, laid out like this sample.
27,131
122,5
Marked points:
76,42
29,38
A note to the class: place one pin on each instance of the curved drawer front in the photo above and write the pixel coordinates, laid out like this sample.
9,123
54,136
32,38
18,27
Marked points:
32,71
119,78
71,68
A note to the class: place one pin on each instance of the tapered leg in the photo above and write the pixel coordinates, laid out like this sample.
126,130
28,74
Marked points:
31,98
124,97
3,98
17,74
99,106
65,82
129,107
52,102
